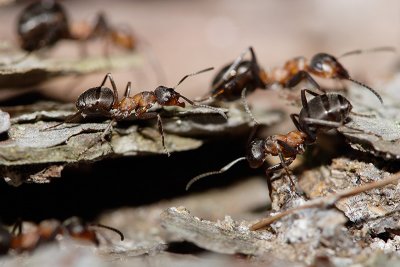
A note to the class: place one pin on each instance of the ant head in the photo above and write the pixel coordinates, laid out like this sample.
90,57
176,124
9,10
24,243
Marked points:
327,66
42,24
168,97
5,240
256,153
96,99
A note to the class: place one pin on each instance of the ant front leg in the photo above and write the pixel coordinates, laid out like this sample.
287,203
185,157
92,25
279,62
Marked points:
273,169
151,115
101,138
300,76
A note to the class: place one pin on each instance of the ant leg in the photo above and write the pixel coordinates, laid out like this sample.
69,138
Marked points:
331,124
114,87
151,115
300,76
286,168
161,130
295,120
304,101
68,119
128,89
273,169
246,106
101,138
17,226
269,184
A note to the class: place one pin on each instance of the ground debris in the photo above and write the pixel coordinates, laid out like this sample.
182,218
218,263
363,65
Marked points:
344,173
31,142
377,133
33,70
4,122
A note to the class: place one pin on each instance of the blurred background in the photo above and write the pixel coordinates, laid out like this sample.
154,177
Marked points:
186,36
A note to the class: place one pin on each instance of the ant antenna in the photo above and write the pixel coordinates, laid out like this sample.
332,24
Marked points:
199,105
372,50
222,170
192,74
246,106
218,110
109,228
367,87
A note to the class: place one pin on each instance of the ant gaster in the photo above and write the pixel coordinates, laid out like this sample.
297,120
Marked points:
144,105
322,113
48,231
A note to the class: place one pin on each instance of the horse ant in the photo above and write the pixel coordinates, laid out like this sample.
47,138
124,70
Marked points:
48,231
236,79
144,105
322,113
44,23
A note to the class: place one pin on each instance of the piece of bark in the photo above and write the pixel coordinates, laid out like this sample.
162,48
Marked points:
4,122
379,132
33,70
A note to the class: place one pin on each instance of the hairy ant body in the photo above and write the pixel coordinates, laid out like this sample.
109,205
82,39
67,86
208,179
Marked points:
233,81
144,105
48,231
322,113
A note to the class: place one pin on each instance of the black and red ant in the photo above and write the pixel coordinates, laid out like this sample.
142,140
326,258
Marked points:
322,113
44,23
48,231
102,100
236,79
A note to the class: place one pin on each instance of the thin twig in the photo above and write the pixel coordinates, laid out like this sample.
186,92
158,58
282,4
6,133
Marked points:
327,201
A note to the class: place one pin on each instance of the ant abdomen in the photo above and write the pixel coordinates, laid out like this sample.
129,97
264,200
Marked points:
327,66
42,24
233,87
256,153
95,100
168,97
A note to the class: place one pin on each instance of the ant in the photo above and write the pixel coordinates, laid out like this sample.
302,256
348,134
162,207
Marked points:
234,80
48,231
44,23
322,113
143,105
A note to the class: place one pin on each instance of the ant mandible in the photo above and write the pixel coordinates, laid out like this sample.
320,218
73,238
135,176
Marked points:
144,105
47,231
322,113
44,23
